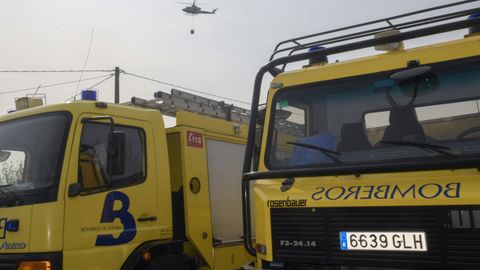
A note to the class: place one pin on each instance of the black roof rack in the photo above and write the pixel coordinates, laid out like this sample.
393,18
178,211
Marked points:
363,30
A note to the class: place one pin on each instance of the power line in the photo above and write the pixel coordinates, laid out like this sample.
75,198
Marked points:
186,88
103,76
52,85
102,81
56,71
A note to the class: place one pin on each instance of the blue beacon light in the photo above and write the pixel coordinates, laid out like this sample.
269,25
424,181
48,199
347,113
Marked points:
318,59
89,95
12,225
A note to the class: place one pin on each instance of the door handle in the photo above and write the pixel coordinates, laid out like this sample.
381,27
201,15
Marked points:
145,219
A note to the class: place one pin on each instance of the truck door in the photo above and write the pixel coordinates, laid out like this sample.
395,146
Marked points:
112,206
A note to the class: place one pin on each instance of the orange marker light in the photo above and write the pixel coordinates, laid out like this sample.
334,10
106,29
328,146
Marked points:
36,265
261,249
147,256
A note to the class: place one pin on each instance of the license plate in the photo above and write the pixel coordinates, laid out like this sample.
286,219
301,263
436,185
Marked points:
383,241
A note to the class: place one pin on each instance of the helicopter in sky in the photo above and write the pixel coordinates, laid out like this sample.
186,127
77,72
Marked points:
195,10
192,9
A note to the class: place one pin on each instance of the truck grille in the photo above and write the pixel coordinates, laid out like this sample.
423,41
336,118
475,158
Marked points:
450,245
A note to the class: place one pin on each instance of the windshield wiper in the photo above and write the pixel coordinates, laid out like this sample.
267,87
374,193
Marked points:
325,151
426,146
11,198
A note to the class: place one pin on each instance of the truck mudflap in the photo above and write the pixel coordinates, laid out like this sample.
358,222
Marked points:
13,261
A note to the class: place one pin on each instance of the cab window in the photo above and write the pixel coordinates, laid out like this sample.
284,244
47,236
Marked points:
426,114
12,166
94,170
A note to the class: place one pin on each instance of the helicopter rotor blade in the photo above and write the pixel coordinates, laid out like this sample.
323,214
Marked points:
194,3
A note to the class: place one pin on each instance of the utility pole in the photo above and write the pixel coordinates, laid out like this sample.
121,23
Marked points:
117,85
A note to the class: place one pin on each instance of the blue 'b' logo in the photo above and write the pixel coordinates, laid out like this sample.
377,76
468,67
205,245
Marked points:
109,215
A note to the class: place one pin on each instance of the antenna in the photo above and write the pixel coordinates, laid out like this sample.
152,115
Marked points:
84,64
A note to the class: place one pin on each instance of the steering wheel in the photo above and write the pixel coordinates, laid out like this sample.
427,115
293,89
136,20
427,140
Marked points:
466,132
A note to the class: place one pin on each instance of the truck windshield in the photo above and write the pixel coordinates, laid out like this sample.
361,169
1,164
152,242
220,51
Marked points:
422,114
31,154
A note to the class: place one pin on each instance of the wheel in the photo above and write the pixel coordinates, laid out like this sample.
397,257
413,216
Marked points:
170,262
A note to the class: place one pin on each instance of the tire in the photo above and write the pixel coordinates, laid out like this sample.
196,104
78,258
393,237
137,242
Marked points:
170,262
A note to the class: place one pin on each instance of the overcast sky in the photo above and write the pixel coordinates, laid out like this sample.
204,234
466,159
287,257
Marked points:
152,38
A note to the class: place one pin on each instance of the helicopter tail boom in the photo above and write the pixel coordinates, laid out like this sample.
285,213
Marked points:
209,12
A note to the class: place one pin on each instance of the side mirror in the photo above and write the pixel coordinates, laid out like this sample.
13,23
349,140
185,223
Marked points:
258,145
74,190
116,153
261,116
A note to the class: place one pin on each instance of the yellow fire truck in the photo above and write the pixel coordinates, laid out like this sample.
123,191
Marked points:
91,185
370,163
